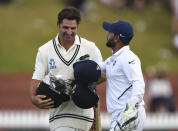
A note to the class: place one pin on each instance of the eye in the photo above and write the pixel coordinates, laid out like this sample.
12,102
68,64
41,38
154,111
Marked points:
65,27
73,28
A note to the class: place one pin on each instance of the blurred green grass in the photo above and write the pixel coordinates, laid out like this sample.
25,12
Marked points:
27,24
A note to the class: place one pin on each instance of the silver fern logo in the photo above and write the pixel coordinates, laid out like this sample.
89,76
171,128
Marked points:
52,64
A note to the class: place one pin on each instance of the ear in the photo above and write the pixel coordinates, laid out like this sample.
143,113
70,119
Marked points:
58,25
116,38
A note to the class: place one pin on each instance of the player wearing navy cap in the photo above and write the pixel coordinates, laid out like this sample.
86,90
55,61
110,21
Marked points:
125,83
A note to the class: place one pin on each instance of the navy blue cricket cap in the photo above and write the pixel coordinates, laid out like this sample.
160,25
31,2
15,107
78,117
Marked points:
86,71
121,28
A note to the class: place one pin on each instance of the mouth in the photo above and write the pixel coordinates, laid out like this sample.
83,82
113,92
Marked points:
68,36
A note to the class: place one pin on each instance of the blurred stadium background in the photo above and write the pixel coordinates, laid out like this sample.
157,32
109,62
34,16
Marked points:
27,24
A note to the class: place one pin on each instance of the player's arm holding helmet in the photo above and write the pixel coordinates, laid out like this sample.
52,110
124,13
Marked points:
48,95
38,75
39,100
96,56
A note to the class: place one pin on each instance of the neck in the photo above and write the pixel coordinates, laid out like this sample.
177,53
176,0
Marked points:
117,47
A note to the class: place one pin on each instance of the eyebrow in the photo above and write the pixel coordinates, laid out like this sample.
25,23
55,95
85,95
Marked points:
66,27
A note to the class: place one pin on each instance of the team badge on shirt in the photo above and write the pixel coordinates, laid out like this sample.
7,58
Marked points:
52,64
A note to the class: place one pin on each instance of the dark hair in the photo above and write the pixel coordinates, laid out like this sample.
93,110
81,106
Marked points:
124,43
70,13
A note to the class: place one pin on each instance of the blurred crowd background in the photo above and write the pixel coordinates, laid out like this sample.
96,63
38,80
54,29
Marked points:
27,24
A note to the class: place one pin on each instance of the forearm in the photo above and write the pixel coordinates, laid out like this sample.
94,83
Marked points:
33,86
39,101
101,80
138,91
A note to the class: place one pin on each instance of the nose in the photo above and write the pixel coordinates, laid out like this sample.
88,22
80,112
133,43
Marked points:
69,31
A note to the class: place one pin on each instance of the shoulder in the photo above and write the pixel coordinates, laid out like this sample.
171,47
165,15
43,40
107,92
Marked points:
45,49
129,56
87,43
46,46
90,48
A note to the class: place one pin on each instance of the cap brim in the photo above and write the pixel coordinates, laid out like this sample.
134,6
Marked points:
107,26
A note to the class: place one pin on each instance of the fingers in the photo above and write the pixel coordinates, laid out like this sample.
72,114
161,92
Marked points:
43,104
41,96
47,105
72,79
47,102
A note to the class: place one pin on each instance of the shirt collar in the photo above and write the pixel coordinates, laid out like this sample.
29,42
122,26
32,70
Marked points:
76,42
121,50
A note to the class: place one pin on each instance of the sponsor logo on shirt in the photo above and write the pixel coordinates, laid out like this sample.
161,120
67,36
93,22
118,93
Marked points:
52,64
132,62
114,63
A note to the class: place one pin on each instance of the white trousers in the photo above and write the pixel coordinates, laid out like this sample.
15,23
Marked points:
141,117
67,129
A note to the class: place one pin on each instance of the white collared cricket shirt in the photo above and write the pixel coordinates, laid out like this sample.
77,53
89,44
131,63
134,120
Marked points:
124,79
53,58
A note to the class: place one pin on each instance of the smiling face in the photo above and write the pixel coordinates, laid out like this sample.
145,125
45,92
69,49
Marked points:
67,30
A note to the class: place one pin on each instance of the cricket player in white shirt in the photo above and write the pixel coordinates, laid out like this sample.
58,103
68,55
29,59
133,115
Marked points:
125,83
57,57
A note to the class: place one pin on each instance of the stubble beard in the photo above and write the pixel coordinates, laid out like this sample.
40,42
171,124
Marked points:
110,44
69,38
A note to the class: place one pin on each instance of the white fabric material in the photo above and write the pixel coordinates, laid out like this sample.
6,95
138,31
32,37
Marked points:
47,52
67,129
47,61
124,81
123,69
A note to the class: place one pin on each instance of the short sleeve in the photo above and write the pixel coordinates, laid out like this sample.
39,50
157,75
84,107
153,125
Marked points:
103,68
40,67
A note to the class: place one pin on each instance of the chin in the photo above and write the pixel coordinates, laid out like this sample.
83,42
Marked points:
69,39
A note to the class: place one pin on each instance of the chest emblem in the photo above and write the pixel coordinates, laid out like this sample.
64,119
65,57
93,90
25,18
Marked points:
52,64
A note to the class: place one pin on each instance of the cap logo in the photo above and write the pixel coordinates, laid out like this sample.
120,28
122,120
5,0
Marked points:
121,35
